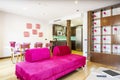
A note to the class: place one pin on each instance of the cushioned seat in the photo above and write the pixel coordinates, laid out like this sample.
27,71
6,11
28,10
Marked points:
38,70
45,68
71,60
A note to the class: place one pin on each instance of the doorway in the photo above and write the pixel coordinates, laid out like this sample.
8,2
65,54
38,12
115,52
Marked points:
76,33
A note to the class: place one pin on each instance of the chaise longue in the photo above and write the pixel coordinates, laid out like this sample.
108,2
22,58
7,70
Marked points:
39,65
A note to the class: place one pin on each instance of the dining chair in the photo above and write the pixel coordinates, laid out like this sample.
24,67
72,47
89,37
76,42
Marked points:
38,45
15,52
48,45
23,48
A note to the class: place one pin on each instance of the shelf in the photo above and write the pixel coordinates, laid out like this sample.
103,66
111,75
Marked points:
106,35
106,26
104,30
96,43
115,43
96,19
106,43
117,25
96,35
105,52
116,54
95,52
96,27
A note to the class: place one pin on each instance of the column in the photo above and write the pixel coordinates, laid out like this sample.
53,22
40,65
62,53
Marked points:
69,33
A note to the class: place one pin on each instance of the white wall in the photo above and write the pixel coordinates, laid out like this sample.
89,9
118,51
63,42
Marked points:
85,34
12,28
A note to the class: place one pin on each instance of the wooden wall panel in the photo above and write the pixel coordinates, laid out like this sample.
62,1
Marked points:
108,59
111,20
116,19
106,21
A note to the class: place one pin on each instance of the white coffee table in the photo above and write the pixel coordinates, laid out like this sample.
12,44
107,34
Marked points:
99,71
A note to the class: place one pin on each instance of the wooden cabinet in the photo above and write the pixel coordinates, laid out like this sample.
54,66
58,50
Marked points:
73,31
104,31
58,30
73,45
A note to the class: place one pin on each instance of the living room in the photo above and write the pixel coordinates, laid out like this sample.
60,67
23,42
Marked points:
32,21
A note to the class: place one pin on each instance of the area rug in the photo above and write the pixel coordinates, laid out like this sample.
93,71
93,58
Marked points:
104,74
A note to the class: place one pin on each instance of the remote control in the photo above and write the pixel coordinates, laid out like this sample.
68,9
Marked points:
101,75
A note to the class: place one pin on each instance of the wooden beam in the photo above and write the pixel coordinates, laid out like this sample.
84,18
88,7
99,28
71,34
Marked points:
69,33
89,33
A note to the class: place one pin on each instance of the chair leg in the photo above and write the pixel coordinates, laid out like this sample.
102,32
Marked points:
17,58
21,56
12,58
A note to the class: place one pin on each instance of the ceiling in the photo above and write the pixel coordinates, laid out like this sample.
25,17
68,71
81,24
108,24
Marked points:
74,22
48,10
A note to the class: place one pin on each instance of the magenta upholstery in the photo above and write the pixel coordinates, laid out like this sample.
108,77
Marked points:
50,68
37,54
61,50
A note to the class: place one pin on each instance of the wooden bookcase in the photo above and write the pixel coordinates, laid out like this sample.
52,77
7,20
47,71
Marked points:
104,35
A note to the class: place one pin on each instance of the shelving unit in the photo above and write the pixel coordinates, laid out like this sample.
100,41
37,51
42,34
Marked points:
104,31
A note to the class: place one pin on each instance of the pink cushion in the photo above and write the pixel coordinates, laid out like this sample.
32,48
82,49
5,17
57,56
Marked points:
37,54
61,50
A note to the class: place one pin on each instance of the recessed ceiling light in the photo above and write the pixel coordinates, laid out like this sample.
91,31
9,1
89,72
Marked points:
39,3
25,8
76,1
77,10
44,14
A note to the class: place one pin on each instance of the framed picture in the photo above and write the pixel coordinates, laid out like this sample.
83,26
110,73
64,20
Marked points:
26,34
37,26
40,34
29,26
34,32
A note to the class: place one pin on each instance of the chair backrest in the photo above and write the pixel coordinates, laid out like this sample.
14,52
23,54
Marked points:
38,45
48,44
12,44
17,47
24,46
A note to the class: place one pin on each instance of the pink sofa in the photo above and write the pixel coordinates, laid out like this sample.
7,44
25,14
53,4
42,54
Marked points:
40,66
